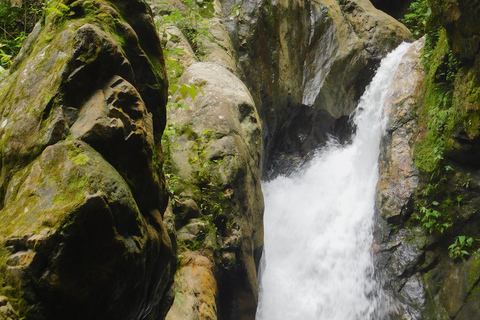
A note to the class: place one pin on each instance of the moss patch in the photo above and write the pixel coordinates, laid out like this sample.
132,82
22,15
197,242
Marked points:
449,105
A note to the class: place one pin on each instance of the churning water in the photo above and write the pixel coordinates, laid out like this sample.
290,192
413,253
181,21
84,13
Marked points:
317,262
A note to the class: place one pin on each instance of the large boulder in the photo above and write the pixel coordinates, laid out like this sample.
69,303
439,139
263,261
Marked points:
82,192
398,174
213,149
215,154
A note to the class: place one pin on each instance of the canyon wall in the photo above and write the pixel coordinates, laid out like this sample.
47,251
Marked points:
427,220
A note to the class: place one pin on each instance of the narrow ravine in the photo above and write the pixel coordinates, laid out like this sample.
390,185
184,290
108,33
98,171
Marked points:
317,261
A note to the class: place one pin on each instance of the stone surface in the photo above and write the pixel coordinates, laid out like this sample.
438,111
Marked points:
217,152
399,252
398,174
6,310
82,193
297,72
196,288
423,273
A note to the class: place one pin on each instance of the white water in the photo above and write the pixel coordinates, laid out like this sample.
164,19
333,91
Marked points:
317,261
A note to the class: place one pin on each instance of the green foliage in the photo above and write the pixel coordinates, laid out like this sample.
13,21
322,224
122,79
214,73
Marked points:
185,89
432,219
459,248
206,182
16,22
236,9
434,202
173,65
416,18
206,179
192,20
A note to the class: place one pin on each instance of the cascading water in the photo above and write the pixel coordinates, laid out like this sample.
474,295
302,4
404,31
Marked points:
317,261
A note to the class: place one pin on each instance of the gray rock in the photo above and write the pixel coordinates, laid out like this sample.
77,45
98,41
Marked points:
297,72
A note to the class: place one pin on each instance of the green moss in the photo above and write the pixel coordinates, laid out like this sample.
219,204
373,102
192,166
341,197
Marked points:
10,290
474,273
449,105
74,191
206,9
433,112
76,156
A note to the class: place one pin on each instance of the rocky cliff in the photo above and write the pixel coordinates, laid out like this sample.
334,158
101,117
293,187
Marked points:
256,76
90,226
428,226
82,191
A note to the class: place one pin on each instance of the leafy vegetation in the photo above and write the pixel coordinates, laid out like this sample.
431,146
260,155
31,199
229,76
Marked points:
17,19
205,184
432,218
447,109
191,19
416,18
459,249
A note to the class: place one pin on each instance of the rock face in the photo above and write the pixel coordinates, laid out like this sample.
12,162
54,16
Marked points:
296,76
427,225
398,174
81,186
216,154
293,56
398,180
213,149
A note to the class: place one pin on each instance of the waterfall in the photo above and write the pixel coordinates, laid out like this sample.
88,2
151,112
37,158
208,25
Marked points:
317,261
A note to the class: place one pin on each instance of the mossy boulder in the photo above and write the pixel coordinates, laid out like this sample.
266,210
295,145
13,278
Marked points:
82,191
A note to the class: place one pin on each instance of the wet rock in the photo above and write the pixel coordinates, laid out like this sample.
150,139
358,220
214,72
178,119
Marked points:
461,289
400,251
398,174
297,72
413,294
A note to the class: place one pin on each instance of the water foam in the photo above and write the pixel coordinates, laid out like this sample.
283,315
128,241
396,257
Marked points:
317,261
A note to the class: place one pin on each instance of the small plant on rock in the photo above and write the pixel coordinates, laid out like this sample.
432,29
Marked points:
432,219
459,248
